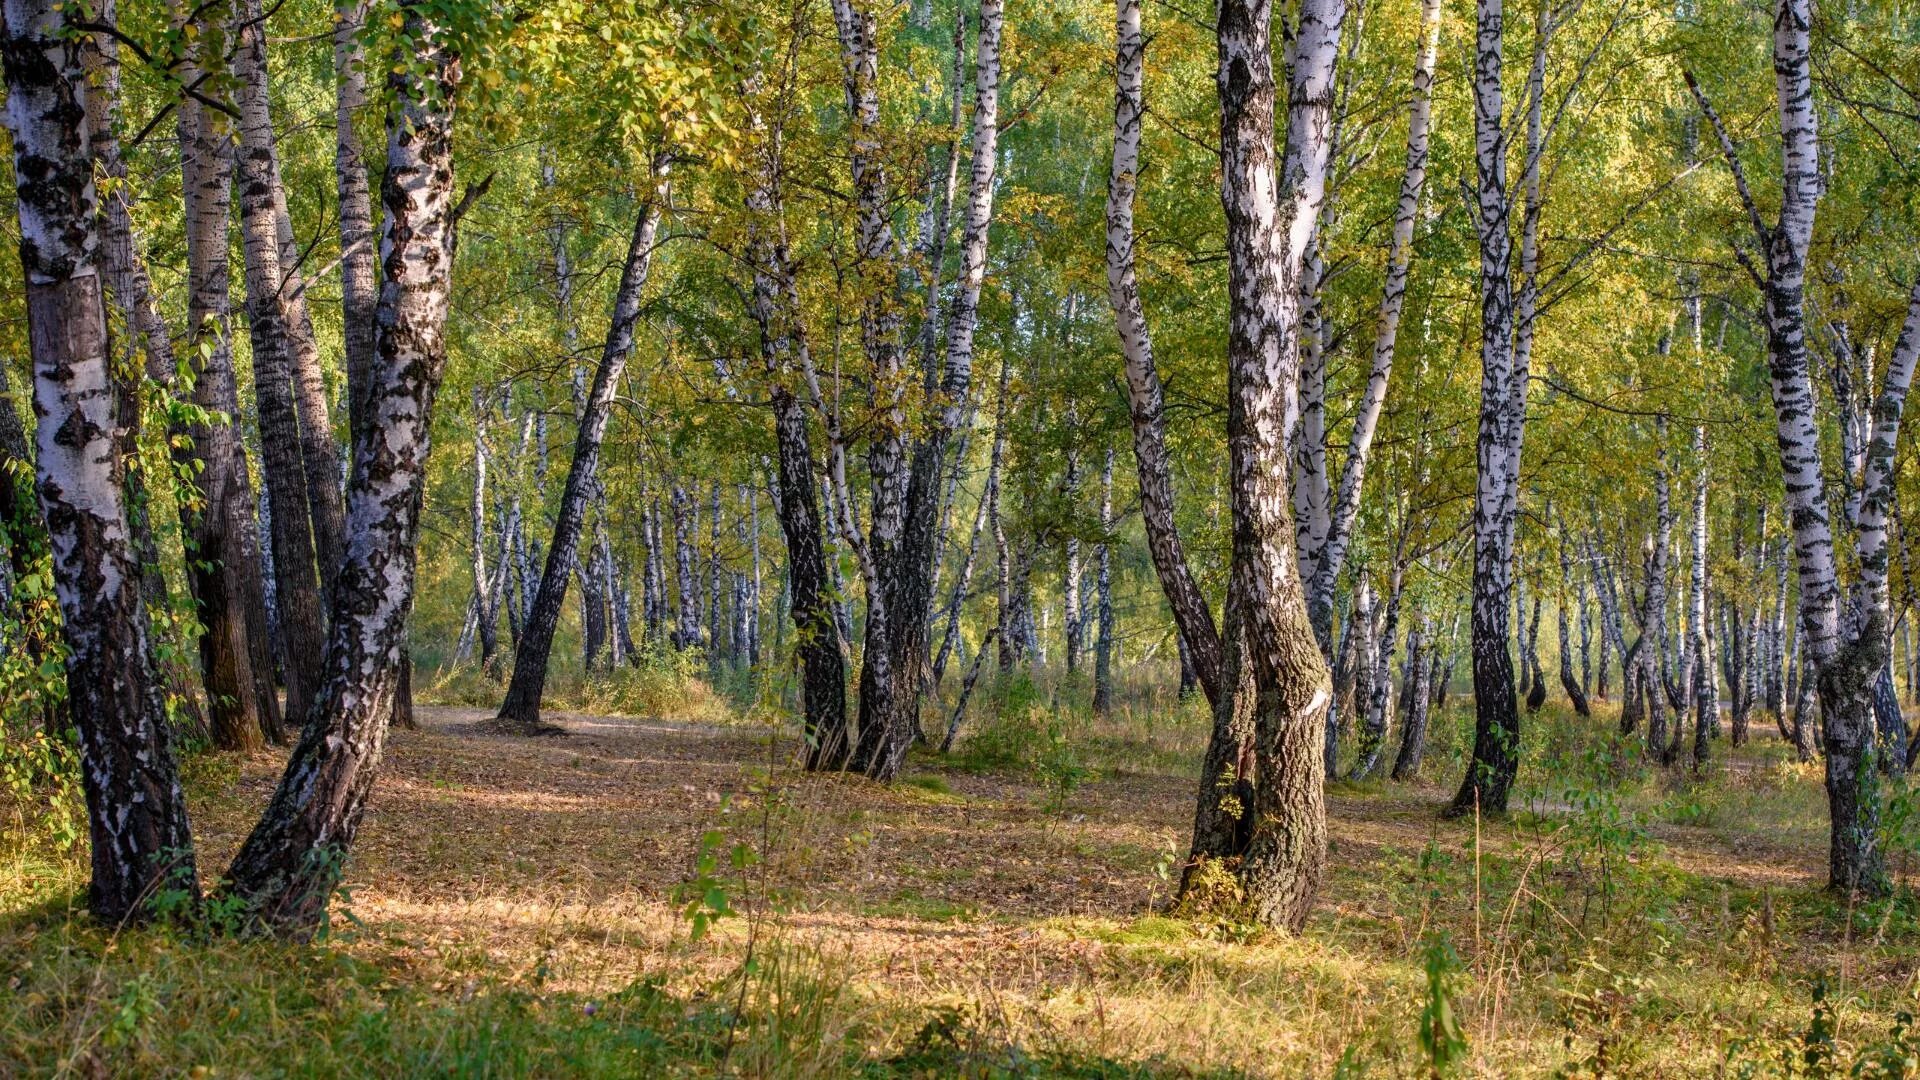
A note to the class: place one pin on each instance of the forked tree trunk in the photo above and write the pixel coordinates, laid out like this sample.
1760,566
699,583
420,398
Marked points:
136,811
1845,665
520,712
1267,241
1322,561
782,341
287,869
907,572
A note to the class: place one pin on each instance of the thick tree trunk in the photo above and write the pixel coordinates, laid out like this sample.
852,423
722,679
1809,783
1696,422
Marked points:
520,711
136,811
1267,240
287,869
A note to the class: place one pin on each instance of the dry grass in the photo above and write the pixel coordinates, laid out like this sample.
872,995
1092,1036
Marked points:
975,912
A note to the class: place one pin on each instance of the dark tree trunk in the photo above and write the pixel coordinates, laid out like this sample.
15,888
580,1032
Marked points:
520,712
1413,733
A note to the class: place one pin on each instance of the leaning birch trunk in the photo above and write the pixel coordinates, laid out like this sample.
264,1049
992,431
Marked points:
1267,240
1145,400
1844,666
1322,566
136,811
485,623
287,869
520,711
1496,744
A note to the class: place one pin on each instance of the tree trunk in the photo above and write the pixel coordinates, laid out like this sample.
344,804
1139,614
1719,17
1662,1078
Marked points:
287,869
136,811
1575,688
1103,590
1413,733
1503,392
256,178
520,711
1844,665
809,591
906,565
1321,562
1267,241
359,291
1193,619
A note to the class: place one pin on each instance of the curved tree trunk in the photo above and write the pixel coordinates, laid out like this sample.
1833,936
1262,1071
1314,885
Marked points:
289,865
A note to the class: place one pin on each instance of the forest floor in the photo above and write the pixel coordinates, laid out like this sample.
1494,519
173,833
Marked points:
648,896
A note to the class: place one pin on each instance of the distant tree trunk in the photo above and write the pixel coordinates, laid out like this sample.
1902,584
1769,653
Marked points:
1267,240
1653,641
286,870
136,811
686,525
1704,690
1413,733
1537,680
1379,679
1575,688
1103,590
485,616
963,581
1070,574
520,712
